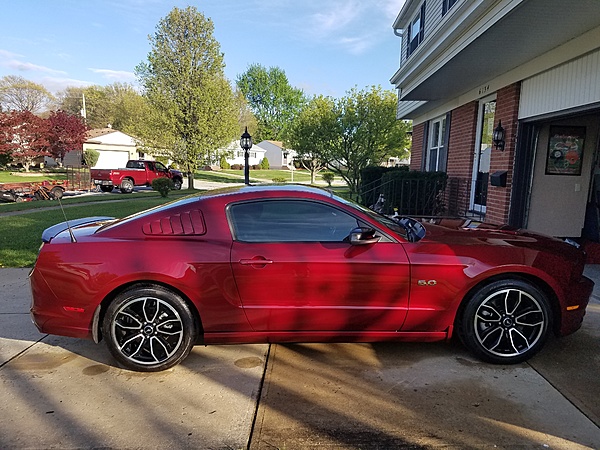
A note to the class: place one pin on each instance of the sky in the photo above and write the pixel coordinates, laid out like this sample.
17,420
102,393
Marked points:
324,46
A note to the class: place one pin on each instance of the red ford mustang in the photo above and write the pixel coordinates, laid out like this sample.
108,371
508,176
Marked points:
297,264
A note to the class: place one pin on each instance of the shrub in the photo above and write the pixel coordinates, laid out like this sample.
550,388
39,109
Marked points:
328,178
224,164
162,186
264,164
90,157
279,180
237,166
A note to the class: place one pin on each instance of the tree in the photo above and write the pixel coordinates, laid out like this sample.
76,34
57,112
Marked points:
23,136
193,110
351,133
66,132
19,94
368,133
117,104
311,134
272,99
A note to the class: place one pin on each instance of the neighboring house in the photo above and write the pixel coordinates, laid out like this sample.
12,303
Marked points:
278,156
115,148
531,66
235,154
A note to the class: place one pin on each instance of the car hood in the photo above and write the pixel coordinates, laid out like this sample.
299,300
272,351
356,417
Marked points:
467,232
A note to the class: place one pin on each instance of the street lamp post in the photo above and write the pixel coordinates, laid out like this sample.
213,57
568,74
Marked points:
246,144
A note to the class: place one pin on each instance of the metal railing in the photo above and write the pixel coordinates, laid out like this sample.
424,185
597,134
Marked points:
426,198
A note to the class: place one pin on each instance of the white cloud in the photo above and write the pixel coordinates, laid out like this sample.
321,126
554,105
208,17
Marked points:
55,84
115,75
14,61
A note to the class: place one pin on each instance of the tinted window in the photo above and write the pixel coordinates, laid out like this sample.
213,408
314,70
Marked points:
290,221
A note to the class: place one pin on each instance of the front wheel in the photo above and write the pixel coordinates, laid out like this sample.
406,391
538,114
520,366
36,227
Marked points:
506,322
149,328
177,182
126,186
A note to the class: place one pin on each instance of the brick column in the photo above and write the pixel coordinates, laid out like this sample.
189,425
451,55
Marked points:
507,110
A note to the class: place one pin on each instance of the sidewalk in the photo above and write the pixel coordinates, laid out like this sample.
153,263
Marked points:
68,393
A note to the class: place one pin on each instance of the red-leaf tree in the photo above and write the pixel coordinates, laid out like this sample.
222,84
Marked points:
67,132
23,136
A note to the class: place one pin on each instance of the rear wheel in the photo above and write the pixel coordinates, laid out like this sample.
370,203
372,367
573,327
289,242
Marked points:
106,188
177,182
57,192
506,322
126,186
149,328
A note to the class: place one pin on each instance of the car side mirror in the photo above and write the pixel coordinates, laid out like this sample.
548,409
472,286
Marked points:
363,236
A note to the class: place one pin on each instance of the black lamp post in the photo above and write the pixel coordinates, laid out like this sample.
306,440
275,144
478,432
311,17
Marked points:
498,137
246,144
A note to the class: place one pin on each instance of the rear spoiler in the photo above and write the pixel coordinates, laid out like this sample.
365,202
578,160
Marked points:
53,231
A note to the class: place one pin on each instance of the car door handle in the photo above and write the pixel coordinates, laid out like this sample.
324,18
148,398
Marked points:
257,261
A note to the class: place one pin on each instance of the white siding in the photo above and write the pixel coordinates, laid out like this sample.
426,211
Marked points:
433,15
570,85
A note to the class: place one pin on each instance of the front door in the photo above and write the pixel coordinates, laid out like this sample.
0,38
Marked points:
483,152
295,271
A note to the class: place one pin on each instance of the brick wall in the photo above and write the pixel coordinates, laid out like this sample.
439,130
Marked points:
507,109
416,150
463,128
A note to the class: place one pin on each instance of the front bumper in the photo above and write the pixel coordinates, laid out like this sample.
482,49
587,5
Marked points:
578,298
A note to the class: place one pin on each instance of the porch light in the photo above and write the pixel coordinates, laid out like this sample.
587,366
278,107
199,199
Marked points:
498,137
246,144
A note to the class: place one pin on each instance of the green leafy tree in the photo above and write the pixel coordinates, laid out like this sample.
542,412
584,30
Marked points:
312,133
117,104
368,133
351,133
193,108
272,99
19,94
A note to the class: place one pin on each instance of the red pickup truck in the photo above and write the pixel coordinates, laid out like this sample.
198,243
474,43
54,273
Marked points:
135,173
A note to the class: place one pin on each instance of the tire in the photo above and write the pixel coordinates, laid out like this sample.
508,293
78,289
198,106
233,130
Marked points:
149,328
57,192
126,186
104,188
177,182
506,322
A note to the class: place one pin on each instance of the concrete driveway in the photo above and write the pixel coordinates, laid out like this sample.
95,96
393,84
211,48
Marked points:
66,393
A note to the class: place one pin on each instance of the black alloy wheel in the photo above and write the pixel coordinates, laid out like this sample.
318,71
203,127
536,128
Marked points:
149,328
506,322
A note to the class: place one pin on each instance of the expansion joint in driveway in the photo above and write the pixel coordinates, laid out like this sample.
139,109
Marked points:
259,396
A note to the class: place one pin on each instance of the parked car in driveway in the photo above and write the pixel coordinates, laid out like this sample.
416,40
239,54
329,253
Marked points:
136,173
297,264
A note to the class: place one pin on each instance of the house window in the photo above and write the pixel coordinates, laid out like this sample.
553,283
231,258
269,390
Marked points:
436,148
416,31
447,5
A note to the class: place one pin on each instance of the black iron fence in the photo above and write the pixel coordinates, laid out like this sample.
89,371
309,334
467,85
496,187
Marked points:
435,197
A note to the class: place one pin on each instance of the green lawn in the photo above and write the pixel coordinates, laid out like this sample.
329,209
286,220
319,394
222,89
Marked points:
6,177
20,235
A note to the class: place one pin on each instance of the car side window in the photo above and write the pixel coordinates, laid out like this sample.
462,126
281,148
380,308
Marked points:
290,221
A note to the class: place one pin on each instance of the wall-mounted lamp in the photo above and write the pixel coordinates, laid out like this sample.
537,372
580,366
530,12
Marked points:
498,137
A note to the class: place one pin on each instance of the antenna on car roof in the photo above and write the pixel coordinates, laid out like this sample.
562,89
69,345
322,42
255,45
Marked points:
66,220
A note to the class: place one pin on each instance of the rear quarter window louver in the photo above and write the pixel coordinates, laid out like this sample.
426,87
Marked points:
189,223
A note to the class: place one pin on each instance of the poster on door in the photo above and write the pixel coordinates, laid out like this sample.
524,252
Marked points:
565,150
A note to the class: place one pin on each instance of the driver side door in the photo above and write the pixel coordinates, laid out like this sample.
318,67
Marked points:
296,270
